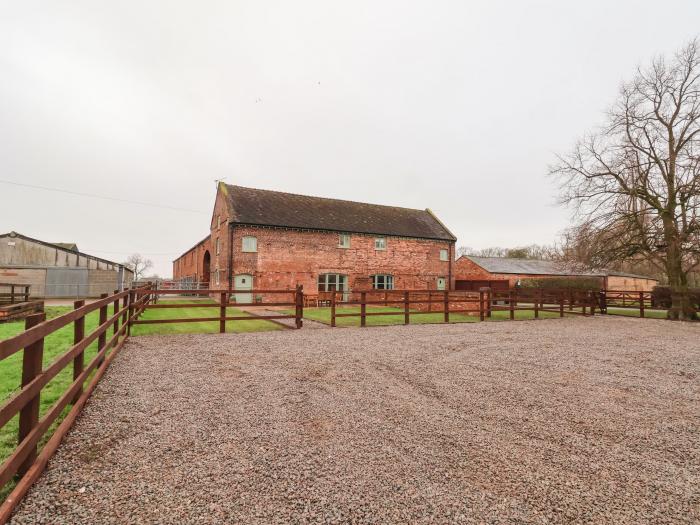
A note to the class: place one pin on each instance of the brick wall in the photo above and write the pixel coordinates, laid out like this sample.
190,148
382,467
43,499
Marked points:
286,257
636,284
190,265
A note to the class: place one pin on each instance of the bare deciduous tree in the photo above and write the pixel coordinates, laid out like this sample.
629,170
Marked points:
635,183
138,264
532,251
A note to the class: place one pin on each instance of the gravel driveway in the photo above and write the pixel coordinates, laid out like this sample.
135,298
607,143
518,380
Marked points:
556,421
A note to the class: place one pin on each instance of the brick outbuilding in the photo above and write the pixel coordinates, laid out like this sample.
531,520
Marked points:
267,239
472,272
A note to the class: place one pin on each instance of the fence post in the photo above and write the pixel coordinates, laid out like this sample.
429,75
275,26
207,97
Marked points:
538,299
131,312
447,306
641,304
12,294
363,308
300,305
124,305
78,335
571,299
115,310
222,313
26,293
102,338
603,302
31,367
333,310
591,301
481,305
489,302
511,305
406,314
561,305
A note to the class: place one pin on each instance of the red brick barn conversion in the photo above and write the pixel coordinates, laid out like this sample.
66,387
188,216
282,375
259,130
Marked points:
501,273
272,240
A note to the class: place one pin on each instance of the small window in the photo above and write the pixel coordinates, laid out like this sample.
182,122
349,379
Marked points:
383,282
380,243
216,276
343,240
218,246
250,244
444,255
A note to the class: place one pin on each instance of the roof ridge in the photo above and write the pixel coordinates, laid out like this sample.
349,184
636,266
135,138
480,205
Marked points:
327,198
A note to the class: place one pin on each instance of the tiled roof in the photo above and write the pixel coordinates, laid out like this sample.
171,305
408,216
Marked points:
539,267
274,208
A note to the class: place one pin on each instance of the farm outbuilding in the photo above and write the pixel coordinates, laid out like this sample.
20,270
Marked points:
58,269
270,239
502,273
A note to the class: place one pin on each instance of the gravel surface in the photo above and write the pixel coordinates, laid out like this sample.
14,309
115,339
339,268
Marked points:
556,421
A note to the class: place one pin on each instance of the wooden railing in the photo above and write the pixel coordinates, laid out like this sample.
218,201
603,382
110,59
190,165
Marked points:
148,299
624,299
26,462
481,303
18,293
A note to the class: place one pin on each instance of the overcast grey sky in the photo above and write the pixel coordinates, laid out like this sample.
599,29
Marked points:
453,105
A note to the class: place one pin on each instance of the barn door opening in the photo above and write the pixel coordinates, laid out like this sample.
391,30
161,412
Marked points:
206,268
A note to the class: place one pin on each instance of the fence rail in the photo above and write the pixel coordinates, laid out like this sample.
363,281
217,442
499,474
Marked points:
26,462
481,303
12,293
148,299
114,327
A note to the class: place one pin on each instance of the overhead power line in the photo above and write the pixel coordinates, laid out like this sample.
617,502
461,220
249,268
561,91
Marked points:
93,196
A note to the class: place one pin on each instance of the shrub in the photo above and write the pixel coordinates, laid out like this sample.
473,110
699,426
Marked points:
661,297
577,283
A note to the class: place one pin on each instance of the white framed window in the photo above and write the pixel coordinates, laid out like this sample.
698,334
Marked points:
344,240
328,282
216,276
218,246
380,243
382,282
250,244
444,255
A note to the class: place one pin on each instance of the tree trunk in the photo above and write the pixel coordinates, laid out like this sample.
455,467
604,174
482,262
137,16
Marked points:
681,309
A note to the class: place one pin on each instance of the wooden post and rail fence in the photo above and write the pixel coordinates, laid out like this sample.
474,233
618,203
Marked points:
26,462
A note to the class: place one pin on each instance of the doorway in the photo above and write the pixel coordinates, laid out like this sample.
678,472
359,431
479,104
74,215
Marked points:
243,281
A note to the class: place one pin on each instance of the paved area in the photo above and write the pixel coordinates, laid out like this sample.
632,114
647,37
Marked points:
555,421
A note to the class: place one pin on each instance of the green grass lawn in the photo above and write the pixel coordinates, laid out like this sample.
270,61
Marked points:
198,327
323,315
634,312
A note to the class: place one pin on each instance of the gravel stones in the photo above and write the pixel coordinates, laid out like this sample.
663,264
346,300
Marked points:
556,421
